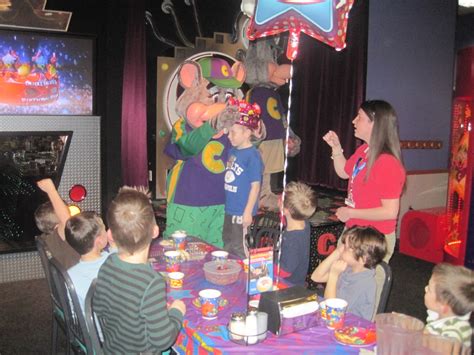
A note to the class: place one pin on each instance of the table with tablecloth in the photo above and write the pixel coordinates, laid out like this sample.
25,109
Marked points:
201,336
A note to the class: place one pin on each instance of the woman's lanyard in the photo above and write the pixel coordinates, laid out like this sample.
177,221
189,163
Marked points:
359,165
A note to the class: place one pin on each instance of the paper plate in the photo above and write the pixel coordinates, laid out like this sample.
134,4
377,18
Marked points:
355,336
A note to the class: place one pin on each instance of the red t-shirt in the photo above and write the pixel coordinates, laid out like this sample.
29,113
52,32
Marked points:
385,182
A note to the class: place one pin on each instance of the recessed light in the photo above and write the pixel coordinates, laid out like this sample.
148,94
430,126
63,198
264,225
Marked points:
466,3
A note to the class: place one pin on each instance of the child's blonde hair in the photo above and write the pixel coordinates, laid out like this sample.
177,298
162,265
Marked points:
367,243
131,219
454,285
300,200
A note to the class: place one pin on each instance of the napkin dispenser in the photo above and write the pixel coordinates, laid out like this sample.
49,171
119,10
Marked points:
290,310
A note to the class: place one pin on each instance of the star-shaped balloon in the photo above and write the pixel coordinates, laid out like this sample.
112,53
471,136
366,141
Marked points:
324,20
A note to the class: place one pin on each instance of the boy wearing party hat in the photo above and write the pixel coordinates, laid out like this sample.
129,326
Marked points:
243,177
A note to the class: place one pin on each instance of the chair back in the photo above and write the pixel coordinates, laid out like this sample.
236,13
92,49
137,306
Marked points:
45,255
78,335
59,314
91,319
386,288
267,237
265,220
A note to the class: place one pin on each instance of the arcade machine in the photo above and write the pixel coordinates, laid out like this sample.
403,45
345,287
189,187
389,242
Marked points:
459,243
447,233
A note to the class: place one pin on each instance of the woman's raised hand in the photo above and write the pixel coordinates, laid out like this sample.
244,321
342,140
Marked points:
332,139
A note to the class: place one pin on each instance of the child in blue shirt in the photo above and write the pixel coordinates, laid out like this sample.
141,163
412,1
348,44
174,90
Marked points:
243,177
86,234
298,206
349,272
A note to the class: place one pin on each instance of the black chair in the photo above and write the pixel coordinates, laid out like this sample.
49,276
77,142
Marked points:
381,305
59,317
78,336
266,237
265,220
91,321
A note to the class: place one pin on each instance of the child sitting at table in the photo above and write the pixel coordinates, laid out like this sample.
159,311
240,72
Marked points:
349,272
449,298
50,218
243,177
86,234
298,206
130,297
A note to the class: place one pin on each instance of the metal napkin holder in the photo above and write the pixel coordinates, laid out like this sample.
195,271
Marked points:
275,302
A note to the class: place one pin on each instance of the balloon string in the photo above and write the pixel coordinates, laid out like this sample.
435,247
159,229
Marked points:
285,165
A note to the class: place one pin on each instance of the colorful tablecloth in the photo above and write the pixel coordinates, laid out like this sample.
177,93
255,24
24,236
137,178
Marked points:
200,336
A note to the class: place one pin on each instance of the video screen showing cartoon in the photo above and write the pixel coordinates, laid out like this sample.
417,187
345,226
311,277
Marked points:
45,74
25,158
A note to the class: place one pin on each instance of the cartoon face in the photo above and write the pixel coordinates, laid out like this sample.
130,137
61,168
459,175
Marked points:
207,85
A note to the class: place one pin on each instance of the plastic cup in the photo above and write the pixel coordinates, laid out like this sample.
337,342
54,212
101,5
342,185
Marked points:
173,260
176,279
209,299
322,311
179,238
220,256
335,312
397,333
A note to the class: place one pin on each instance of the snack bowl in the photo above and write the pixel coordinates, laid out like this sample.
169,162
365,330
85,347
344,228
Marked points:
197,250
222,273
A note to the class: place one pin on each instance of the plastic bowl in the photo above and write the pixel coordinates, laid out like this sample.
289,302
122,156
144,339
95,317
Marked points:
222,273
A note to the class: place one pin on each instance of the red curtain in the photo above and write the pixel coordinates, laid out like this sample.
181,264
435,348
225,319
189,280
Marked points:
134,132
329,86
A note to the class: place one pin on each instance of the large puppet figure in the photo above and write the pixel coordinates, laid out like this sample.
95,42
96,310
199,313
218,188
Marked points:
265,76
195,186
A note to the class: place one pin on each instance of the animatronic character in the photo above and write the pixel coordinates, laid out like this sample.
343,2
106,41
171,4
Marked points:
195,186
264,75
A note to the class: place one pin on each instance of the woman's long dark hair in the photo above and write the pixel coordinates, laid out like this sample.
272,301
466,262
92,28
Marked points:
384,137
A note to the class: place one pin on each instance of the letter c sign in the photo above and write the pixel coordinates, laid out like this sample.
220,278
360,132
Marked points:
326,243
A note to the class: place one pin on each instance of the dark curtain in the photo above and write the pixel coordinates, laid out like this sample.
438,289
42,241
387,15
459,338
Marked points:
134,124
328,88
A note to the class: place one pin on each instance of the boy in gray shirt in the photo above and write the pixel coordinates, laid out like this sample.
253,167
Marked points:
349,272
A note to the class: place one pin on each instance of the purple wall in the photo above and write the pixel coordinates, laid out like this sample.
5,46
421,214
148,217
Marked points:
410,63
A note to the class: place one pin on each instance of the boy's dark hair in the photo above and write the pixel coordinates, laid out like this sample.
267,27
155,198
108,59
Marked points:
366,242
45,218
81,231
454,285
131,219
300,200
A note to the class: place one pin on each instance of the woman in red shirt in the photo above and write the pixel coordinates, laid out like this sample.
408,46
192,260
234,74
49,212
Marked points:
375,171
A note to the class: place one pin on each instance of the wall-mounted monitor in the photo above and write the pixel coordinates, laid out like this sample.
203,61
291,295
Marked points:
46,74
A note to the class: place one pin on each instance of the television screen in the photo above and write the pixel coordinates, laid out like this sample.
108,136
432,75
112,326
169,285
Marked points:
25,158
46,74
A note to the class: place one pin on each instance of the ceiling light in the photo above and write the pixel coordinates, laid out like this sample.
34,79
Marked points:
466,3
